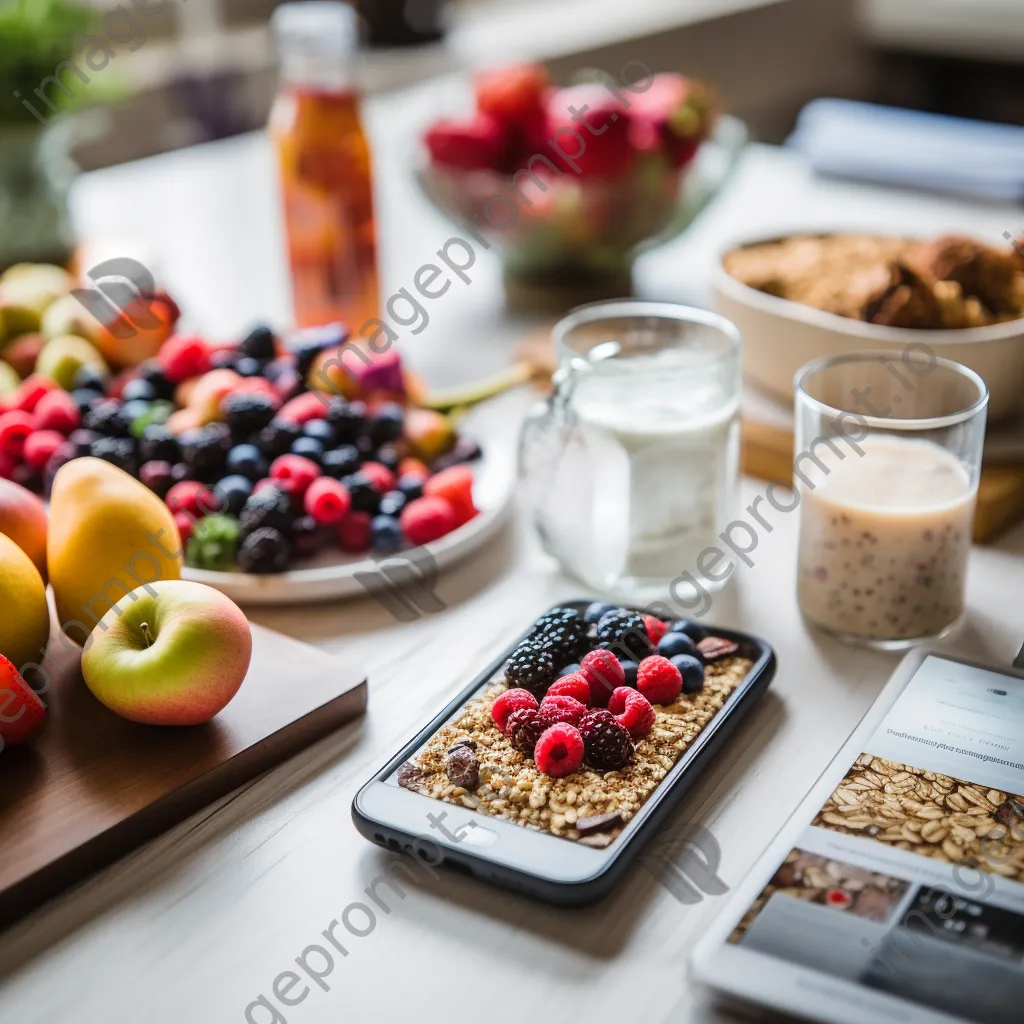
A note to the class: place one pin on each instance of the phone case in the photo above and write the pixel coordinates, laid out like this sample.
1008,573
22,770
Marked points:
648,819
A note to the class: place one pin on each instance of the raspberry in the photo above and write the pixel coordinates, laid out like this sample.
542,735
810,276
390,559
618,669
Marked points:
32,391
455,485
559,751
193,498
656,629
57,410
294,473
184,523
381,477
424,519
39,446
509,701
523,730
15,426
574,685
354,532
561,709
607,742
326,501
632,710
658,680
310,405
183,356
603,673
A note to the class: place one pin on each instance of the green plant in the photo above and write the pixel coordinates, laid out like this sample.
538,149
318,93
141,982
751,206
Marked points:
35,37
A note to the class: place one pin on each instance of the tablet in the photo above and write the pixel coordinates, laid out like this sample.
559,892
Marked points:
896,891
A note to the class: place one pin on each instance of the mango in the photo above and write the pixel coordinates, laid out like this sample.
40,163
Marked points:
25,623
109,534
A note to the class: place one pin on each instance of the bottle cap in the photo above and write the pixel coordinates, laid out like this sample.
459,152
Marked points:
316,26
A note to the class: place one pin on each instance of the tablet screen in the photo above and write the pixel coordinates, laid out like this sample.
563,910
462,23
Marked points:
910,878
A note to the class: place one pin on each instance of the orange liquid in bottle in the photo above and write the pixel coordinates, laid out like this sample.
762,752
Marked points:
326,182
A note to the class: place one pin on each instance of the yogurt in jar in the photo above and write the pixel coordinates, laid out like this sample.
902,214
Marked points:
884,540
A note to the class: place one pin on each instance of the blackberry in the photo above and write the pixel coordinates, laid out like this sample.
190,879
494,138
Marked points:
232,493
347,418
158,444
341,462
205,450
523,730
278,436
152,373
82,440
308,537
259,343
247,414
118,451
268,507
565,643
363,494
265,550
386,425
530,668
320,430
107,419
623,632
607,745
596,610
694,630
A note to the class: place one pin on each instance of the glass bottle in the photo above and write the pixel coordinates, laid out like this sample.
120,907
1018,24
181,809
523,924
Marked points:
325,167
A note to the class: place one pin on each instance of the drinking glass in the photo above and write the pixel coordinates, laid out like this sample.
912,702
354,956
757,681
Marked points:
888,456
631,467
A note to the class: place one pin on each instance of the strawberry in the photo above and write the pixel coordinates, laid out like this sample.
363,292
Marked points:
601,121
512,95
21,712
455,485
674,112
467,145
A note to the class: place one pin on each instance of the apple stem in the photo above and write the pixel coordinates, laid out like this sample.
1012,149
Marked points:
147,636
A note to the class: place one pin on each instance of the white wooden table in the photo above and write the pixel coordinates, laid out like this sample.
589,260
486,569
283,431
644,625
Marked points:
198,924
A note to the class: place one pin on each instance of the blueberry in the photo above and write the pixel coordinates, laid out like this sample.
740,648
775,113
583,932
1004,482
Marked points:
278,436
205,450
308,448
82,440
118,451
259,343
247,414
629,669
411,486
392,503
265,550
339,462
248,367
321,431
386,425
692,671
347,418
224,359
308,537
88,378
386,533
363,494
672,644
569,669
309,343
180,471
694,630
133,410
139,388
248,461
597,609
152,373
232,493
84,398
158,444
387,456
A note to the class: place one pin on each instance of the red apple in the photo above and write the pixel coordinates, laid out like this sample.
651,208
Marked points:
589,131
23,519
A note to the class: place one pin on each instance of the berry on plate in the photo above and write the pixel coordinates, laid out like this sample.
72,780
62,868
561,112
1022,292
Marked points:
530,669
386,533
355,532
603,674
264,550
294,473
559,750
523,730
656,629
633,711
659,680
327,501
191,497
574,685
380,477
427,519
57,410
184,356
40,446
691,669
455,485
511,700
672,644
607,742
560,708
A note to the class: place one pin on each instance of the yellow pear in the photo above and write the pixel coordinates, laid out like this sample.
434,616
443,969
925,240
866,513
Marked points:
109,534
25,622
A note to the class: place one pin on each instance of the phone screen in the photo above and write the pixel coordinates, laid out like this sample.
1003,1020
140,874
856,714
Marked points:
910,878
491,776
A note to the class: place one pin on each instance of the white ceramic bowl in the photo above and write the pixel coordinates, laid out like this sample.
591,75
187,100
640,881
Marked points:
779,336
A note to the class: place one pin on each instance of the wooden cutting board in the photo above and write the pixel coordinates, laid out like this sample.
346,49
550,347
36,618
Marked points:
93,786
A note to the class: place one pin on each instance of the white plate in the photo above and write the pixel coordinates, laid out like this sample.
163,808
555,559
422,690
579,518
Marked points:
332,575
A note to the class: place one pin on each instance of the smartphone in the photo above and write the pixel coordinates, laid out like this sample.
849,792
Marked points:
895,893
596,823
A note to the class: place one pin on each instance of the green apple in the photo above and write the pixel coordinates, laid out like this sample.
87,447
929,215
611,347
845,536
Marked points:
27,290
169,653
62,358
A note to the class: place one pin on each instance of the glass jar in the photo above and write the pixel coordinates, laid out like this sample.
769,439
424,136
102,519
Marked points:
631,467
888,457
